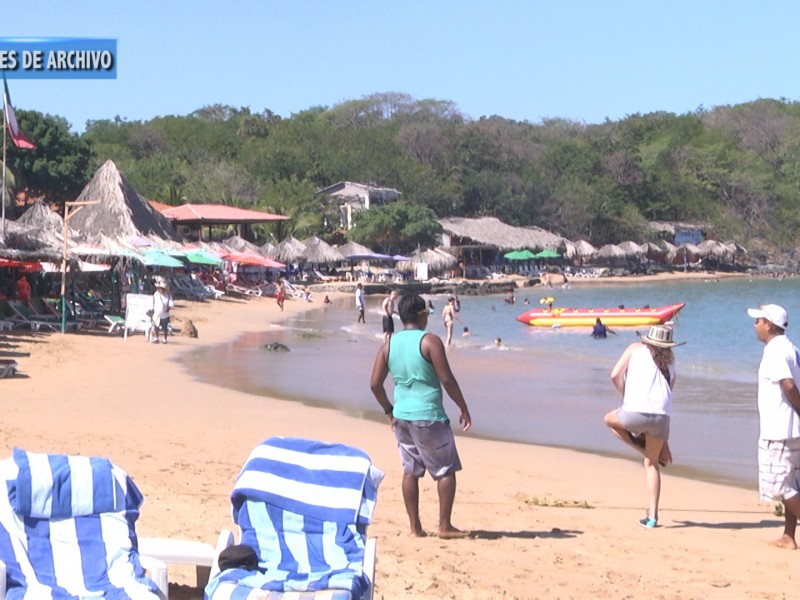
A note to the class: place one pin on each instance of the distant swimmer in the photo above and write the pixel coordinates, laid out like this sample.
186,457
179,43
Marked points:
498,342
466,332
600,331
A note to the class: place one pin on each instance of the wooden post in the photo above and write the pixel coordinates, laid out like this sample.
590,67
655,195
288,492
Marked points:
67,215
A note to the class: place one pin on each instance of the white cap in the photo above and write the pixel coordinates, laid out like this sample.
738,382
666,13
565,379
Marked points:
771,312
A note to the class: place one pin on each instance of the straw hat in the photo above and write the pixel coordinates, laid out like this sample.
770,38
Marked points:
660,336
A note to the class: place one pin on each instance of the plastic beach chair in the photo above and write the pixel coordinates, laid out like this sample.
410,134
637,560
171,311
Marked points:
303,507
67,531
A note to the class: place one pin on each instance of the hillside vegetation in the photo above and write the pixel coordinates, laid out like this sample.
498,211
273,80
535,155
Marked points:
733,169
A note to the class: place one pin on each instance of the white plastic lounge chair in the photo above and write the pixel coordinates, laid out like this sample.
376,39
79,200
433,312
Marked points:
303,507
67,531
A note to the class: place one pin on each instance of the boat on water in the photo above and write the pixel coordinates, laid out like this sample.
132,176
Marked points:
586,317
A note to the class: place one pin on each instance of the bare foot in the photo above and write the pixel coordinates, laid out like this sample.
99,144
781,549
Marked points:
453,534
418,533
666,456
784,542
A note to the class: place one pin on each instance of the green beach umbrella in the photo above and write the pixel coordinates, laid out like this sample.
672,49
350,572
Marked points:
547,253
519,255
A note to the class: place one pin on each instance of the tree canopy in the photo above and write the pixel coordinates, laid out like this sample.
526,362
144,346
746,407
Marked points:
733,169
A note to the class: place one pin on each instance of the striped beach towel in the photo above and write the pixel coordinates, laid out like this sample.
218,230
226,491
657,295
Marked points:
67,529
303,506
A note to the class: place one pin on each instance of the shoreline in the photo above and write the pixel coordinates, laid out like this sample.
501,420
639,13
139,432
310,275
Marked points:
184,441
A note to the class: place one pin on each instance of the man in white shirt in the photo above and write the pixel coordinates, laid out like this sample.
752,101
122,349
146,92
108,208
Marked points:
779,416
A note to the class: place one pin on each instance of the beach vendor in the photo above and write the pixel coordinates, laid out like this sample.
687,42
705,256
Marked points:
645,376
419,367
162,304
779,417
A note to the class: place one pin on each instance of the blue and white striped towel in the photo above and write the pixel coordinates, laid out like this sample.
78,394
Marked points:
90,552
58,486
330,482
303,505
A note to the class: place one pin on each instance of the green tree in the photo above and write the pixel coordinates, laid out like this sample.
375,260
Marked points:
59,167
396,227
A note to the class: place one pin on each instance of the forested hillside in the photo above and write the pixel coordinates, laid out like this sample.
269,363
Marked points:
733,168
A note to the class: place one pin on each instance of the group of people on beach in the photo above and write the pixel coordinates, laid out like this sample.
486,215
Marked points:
645,377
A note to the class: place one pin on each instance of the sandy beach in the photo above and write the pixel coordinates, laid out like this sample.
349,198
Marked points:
547,523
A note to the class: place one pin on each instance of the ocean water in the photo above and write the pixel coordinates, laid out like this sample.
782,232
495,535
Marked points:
541,386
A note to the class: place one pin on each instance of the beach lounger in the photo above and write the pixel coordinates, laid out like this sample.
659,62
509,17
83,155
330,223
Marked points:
67,531
25,315
8,367
116,323
303,507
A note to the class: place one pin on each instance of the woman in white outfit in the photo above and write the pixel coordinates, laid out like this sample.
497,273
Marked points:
645,376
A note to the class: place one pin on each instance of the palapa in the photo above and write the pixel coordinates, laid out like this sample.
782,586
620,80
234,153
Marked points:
490,231
289,250
319,251
438,260
239,244
122,211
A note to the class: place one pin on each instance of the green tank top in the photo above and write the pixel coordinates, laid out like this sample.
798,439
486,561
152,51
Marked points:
417,390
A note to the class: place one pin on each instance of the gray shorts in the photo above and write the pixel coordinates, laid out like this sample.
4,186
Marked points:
778,469
427,446
639,423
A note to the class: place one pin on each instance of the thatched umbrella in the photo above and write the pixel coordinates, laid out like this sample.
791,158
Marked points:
239,244
685,253
289,250
610,251
438,260
320,252
122,211
632,249
355,251
266,249
40,217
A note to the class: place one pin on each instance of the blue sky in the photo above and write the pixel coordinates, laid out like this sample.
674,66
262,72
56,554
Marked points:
584,60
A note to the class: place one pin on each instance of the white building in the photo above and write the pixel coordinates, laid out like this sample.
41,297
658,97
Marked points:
353,197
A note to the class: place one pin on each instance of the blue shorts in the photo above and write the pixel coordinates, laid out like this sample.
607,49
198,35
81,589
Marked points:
163,324
427,446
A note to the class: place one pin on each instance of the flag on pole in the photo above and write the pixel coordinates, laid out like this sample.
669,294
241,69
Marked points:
19,138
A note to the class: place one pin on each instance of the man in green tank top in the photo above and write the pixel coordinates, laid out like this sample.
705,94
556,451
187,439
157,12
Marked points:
419,367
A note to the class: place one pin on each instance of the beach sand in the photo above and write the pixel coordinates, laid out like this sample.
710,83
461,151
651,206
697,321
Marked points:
549,523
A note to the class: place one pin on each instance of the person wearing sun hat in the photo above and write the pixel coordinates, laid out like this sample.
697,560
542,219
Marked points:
779,418
645,376
162,303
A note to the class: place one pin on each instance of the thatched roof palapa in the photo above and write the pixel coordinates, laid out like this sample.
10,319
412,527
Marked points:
319,251
121,212
490,231
289,250
438,260
239,244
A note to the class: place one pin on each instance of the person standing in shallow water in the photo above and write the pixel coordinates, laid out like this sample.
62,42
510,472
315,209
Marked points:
419,367
360,303
779,418
645,376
